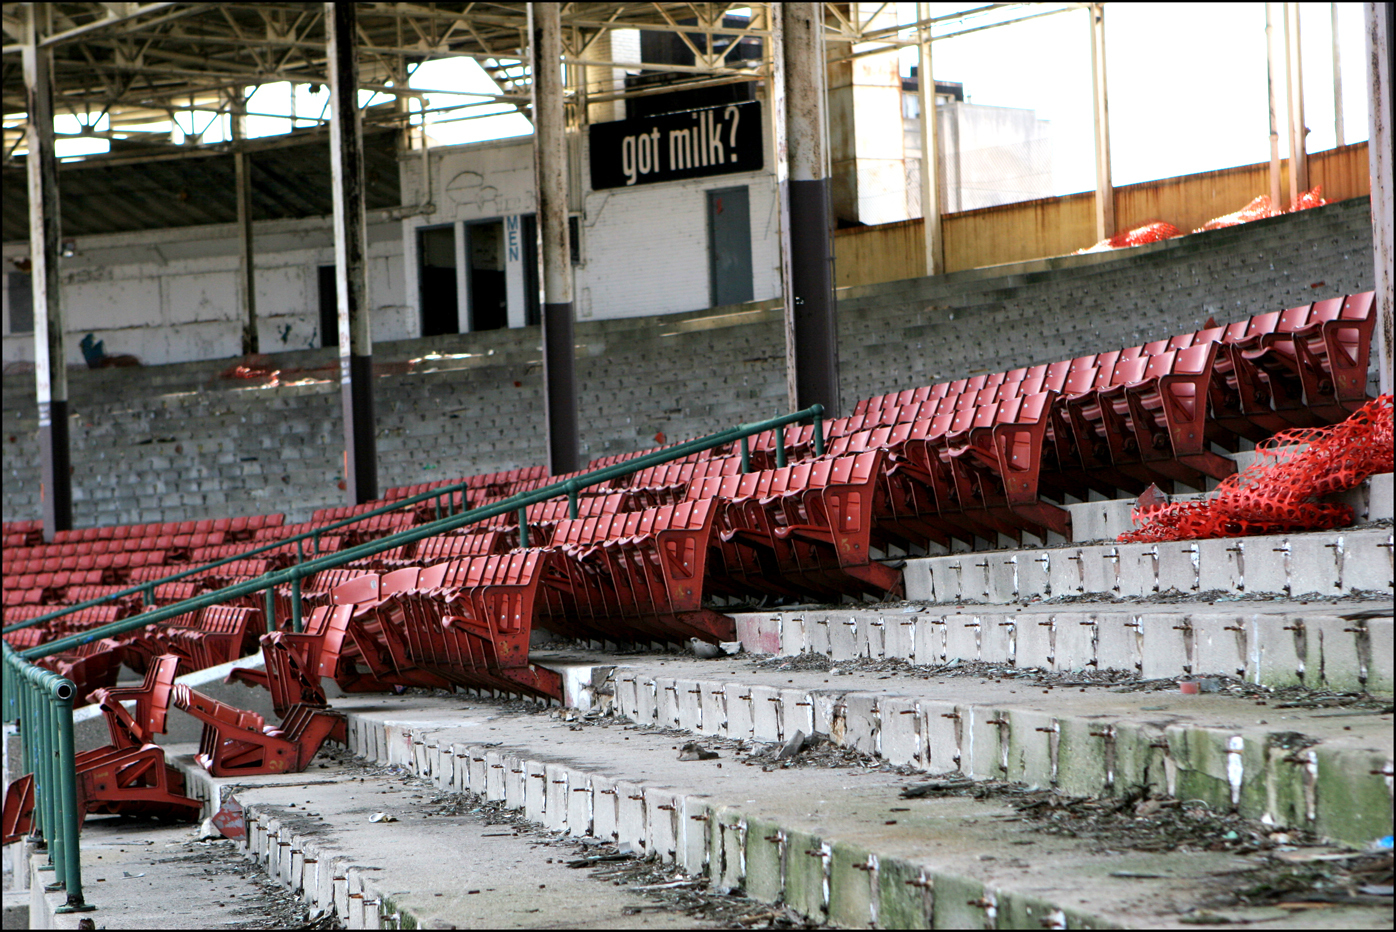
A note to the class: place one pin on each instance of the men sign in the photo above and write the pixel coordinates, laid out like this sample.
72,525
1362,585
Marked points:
671,146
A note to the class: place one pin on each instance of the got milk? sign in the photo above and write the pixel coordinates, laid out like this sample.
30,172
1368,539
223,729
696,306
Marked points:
672,146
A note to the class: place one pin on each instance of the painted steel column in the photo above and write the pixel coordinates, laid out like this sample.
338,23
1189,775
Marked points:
1274,107
809,295
350,255
550,165
1378,23
247,289
930,149
50,365
1104,187
1298,132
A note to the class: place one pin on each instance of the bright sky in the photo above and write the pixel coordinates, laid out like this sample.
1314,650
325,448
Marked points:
1186,85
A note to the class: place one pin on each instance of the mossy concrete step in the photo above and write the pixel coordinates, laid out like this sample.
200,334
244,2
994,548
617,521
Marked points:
1298,767
838,845
1340,645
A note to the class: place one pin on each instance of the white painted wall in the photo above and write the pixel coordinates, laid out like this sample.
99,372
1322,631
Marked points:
170,296
644,249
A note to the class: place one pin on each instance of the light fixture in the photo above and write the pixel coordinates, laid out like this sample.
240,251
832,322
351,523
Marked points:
68,249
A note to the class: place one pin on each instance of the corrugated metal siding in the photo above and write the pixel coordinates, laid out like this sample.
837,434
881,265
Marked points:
1061,225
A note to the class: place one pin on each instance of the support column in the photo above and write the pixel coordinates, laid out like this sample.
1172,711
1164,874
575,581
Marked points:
1378,23
930,148
247,289
550,166
350,255
1338,128
1104,188
1298,132
809,293
1273,91
50,366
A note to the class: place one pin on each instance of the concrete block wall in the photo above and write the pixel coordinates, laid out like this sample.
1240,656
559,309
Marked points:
177,443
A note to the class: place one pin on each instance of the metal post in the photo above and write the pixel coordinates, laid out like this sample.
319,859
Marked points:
746,456
1270,67
1298,132
1338,134
1378,23
296,605
247,289
1104,187
809,294
930,149
351,251
269,608
50,366
68,798
550,165
523,527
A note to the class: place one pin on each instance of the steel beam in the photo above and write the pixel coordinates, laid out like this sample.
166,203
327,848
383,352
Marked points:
351,256
550,165
1104,187
930,150
50,366
1273,92
812,356
1378,23
247,290
1298,132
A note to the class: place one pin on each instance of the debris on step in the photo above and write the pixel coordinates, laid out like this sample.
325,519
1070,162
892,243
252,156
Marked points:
695,751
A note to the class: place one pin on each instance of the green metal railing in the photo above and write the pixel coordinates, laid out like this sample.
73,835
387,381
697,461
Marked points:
293,575
41,704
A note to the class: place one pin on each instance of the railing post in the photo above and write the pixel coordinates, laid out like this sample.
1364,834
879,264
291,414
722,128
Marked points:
436,504
819,431
780,446
571,500
315,540
68,799
523,526
296,604
746,457
44,775
148,594
269,607
300,551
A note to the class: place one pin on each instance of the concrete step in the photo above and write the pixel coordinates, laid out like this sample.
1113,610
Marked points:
1098,741
1328,563
1275,645
836,844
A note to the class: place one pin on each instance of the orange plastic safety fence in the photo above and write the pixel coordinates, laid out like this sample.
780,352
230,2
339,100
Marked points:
1282,490
1260,208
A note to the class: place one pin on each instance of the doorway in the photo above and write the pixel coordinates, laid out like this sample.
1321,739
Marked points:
329,306
436,251
489,297
729,246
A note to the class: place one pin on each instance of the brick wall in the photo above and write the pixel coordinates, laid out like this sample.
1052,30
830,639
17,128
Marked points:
177,442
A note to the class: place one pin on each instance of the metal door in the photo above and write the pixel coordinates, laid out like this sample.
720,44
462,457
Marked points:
729,246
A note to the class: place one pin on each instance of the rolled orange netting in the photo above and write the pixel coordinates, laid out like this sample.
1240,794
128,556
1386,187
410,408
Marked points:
1282,490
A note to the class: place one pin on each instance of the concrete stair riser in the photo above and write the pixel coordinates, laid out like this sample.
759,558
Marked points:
1299,647
827,880
1081,755
1324,564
